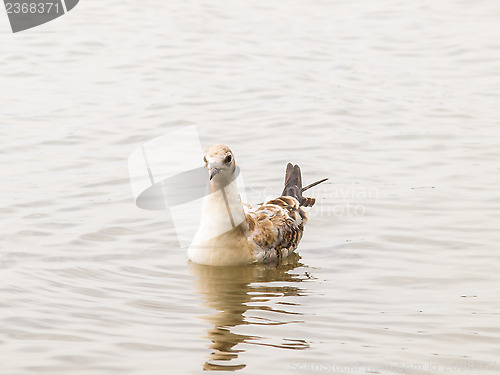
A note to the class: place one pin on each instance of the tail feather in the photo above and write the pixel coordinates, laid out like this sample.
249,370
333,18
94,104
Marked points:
308,202
313,184
293,185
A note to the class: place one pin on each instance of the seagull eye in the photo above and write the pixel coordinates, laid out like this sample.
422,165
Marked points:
228,159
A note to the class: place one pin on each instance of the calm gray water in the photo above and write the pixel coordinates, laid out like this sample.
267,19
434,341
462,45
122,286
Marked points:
396,101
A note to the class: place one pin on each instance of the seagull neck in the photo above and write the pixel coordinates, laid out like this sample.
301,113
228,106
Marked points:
226,190
223,207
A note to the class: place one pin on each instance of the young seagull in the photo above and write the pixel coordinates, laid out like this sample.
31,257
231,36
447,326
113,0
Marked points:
230,234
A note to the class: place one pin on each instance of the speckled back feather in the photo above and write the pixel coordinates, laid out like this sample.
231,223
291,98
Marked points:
277,226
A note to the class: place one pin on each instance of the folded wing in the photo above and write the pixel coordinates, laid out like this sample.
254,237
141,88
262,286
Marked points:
276,227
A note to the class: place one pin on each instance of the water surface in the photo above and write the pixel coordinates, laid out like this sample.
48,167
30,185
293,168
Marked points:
397,102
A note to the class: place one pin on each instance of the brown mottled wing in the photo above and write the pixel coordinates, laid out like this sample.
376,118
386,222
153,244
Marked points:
276,227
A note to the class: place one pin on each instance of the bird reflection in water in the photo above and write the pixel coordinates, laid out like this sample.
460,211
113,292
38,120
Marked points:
239,294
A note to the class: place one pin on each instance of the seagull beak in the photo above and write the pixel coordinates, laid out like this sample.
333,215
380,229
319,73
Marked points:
213,172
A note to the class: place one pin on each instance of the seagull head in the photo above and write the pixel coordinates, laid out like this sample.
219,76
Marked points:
219,160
